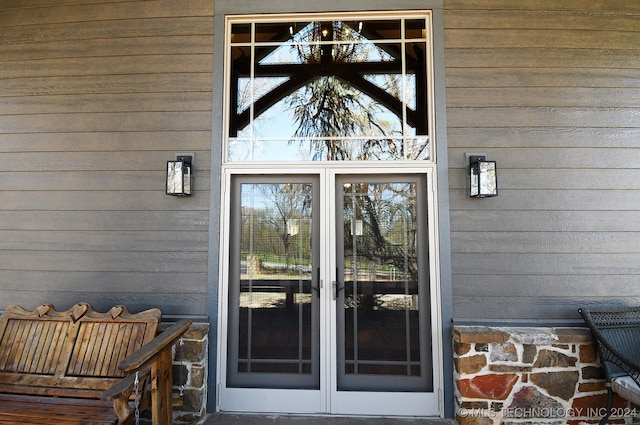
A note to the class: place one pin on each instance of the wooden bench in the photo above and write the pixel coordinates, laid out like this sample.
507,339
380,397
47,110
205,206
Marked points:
80,366
616,333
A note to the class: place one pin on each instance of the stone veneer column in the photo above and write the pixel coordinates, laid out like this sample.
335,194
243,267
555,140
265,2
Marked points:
190,373
529,375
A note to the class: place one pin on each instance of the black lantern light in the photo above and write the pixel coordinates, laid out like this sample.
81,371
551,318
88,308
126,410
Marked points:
483,177
179,176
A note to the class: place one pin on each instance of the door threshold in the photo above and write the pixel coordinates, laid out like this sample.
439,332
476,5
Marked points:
237,418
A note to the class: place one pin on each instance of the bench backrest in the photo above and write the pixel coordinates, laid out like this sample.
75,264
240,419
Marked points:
72,353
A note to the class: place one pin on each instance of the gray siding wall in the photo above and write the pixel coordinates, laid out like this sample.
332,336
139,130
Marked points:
95,97
551,91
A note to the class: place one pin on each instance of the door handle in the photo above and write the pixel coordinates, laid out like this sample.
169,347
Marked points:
337,287
318,285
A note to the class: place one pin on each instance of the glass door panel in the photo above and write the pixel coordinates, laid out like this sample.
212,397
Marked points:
361,346
273,286
383,306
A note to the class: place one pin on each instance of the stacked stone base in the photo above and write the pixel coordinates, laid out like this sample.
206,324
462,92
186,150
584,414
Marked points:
530,375
190,374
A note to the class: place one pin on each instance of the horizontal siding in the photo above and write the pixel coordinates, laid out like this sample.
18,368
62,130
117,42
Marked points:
145,220
545,220
50,68
561,97
22,13
106,261
104,241
549,90
543,137
97,84
101,122
104,142
599,243
601,6
555,57
95,97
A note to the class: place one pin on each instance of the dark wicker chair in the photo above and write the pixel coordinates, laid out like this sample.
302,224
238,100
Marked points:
616,333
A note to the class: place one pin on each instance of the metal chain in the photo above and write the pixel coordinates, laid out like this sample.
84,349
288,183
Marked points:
136,400
181,387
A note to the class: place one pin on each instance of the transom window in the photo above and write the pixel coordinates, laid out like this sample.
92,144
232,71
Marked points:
327,88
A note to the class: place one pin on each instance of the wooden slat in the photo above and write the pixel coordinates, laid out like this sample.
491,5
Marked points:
41,346
127,347
6,344
18,345
14,332
35,339
161,342
75,363
88,348
102,350
137,340
31,385
42,350
108,349
68,343
44,410
122,352
102,346
56,347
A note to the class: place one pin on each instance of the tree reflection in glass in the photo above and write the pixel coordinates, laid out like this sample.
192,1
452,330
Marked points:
330,91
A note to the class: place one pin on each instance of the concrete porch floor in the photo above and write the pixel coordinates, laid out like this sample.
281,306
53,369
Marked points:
246,419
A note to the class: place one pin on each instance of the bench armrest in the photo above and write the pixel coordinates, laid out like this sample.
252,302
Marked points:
122,392
164,340
124,387
152,362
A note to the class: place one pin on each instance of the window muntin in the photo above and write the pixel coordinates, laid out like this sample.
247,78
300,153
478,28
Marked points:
342,89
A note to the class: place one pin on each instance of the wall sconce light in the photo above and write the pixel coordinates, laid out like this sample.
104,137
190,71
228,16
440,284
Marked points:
483,177
179,174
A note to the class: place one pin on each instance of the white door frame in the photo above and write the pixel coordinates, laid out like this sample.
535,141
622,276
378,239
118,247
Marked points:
328,400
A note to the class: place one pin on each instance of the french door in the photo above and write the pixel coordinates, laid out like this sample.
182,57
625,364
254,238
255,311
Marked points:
330,282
